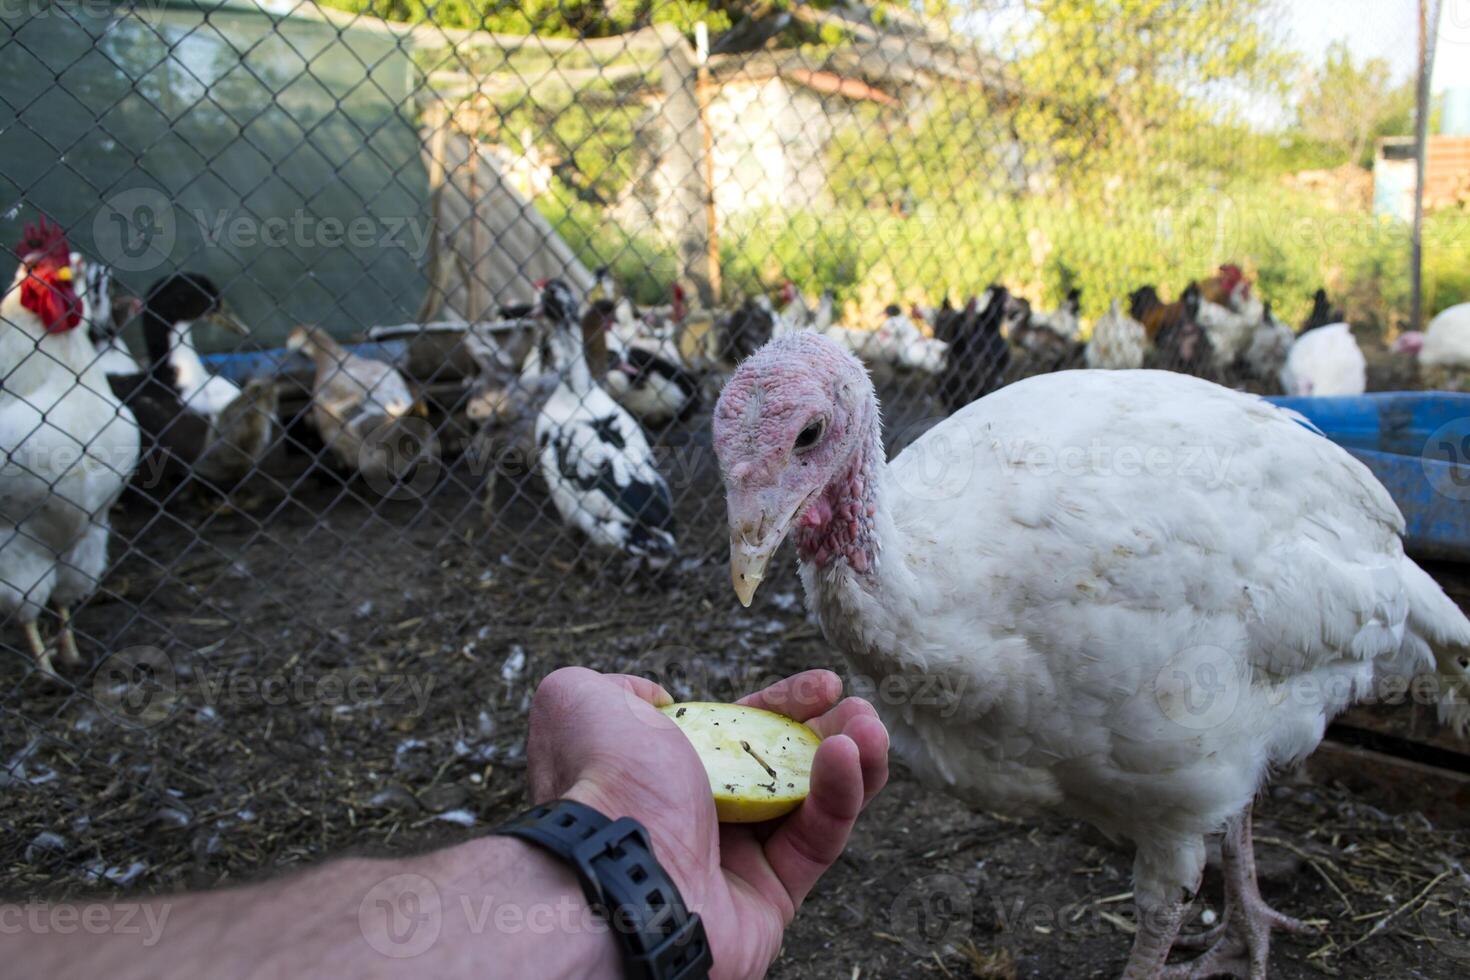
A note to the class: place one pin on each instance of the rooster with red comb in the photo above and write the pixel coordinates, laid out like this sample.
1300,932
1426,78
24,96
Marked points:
70,447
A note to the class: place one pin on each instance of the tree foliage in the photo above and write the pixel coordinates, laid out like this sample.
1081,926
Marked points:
1347,104
1124,77
599,18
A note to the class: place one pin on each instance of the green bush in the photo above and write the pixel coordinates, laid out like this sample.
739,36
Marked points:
1041,246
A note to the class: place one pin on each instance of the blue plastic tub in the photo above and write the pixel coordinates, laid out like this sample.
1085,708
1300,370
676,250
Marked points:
242,366
1418,445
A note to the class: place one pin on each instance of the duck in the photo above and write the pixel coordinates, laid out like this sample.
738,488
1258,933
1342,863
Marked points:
594,456
362,410
197,424
70,448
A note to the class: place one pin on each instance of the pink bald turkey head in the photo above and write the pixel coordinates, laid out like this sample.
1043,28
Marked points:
796,433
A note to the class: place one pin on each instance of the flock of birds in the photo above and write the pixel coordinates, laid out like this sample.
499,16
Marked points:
1073,611
579,397
80,415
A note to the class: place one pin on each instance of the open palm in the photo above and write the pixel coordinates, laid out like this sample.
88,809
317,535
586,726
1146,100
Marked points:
599,739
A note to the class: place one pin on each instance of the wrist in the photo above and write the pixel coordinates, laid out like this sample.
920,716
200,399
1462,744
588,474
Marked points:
528,909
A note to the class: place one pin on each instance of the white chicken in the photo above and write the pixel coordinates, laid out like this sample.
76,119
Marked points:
594,457
1146,592
1064,321
1230,332
1447,340
1325,361
1118,341
70,447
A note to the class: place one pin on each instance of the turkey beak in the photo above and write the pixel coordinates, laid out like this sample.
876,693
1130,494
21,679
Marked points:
755,534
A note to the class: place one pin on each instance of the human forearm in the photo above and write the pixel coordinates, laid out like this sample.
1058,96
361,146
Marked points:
491,906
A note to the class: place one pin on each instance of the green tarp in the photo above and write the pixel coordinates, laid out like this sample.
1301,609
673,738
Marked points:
276,154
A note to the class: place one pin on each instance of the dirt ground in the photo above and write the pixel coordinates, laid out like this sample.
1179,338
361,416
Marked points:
331,672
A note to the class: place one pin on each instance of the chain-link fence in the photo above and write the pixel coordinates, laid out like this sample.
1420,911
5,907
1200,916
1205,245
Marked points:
271,595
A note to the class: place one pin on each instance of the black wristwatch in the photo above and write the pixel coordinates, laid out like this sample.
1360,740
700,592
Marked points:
624,883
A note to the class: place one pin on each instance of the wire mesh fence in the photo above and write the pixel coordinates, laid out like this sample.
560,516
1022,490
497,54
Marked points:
312,465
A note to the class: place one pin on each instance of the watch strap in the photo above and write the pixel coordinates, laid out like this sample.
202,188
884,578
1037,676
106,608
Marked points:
623,882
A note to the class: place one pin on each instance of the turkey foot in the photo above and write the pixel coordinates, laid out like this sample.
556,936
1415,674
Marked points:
1242,949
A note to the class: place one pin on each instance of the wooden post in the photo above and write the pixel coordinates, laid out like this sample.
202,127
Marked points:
711,215
688,183
1429,11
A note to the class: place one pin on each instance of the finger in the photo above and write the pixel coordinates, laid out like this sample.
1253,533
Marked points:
871,738
806,844
645,689
802,696
833,722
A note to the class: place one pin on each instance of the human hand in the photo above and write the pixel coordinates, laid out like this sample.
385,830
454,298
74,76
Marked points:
599,739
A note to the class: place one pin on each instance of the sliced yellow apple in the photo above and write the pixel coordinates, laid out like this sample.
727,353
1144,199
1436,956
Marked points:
759,763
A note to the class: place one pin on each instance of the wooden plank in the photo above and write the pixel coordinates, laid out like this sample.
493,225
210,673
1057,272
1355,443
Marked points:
1396,785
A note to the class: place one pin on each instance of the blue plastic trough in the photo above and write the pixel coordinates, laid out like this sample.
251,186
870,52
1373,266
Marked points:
1418,445
240,367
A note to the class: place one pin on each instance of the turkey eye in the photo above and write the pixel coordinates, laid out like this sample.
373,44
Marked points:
810,435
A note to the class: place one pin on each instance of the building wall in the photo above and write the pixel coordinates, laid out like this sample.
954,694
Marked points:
770,140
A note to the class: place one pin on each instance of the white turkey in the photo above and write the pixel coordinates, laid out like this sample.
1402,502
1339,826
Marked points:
1126,576
1325,361
1447,340
1118,341
70,447
594,457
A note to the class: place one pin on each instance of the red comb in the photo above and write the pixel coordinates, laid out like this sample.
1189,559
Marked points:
42,239
540,283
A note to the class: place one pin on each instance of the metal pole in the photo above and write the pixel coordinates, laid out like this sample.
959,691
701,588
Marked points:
1428,26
